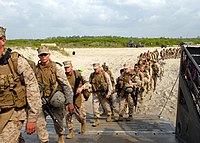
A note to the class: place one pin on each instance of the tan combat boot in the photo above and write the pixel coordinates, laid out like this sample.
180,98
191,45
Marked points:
83,127
109,119
120,118
61,139
21,139
96,122
71,134
130,117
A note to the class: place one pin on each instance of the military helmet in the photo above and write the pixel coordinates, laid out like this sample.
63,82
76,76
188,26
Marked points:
58,99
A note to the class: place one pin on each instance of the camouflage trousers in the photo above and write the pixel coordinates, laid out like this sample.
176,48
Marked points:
11,132
146,83
96,101
154,82
125,101
150,82
161,71
41,124
80,114
113,101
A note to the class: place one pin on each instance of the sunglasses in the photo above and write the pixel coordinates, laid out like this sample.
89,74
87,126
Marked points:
41,55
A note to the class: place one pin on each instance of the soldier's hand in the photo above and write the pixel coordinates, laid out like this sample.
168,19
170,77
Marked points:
70,107
130,82
79,90
30,127
107,96
114,90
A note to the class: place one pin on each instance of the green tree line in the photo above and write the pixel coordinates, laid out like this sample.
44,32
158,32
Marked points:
99,41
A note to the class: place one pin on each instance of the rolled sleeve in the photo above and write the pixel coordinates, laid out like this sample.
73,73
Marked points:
107,77
32,89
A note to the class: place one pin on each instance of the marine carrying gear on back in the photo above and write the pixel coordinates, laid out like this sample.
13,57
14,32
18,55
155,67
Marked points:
12,89
128,88
98,81
47,76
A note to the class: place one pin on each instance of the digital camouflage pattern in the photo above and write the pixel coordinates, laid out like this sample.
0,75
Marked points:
97,95
49,75
43,50
32,90
14,125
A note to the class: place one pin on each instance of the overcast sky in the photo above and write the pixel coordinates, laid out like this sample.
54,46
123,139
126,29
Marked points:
28,19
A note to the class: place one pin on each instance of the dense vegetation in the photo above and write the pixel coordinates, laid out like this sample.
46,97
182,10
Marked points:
99,41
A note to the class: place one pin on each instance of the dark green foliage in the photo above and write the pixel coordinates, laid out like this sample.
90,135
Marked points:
99,41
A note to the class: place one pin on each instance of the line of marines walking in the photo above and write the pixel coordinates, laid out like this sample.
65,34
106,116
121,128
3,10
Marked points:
30,92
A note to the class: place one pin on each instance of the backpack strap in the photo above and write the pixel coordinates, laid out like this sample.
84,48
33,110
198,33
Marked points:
14,59
12,68
4,58
13,63
78,79
104,75
91,77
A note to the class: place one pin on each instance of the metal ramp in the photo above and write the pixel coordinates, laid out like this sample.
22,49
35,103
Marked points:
142,129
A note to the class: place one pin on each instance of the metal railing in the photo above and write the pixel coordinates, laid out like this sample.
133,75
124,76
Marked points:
190,70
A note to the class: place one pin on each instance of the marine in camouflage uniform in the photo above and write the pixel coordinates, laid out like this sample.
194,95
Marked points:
156,53
52,77
78,83
167,53
146,77
162,53
125,83
16,95
149,70
113,96
102,89
138,80
162,62
155,73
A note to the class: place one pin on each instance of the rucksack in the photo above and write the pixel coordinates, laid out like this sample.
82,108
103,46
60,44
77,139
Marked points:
103,86
14,59
16,82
